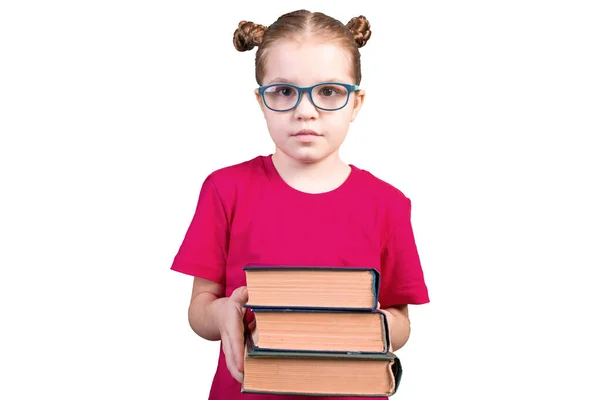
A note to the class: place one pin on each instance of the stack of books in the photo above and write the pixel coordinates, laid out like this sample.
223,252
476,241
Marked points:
318,332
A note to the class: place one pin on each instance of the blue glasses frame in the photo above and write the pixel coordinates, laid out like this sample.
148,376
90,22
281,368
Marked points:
301,89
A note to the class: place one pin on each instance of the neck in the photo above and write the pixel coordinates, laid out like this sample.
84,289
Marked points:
312,177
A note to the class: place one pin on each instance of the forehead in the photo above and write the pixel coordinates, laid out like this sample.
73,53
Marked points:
307,63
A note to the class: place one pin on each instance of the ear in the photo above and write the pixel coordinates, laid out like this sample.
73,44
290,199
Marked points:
258,98
359,98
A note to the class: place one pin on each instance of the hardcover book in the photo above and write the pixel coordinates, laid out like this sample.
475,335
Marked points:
320,331
312,288
318,374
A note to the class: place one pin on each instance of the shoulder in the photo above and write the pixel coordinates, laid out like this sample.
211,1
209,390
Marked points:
383,192
228,180
237,171
392,207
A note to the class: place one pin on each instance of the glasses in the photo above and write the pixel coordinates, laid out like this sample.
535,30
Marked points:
327,96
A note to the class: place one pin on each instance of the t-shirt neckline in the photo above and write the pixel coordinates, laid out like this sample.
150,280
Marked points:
270,165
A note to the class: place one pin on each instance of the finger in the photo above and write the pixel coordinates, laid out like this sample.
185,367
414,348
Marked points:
227,353
230,360
378,305
236,341
232,357
240,295
238,376
232,363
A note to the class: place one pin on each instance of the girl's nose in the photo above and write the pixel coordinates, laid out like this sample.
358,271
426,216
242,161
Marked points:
306,109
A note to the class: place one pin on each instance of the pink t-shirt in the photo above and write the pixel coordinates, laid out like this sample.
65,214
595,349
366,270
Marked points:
247,214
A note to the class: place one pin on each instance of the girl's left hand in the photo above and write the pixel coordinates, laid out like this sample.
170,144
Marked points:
388,316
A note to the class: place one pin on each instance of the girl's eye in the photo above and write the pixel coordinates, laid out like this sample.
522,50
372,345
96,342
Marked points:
285,91
328,91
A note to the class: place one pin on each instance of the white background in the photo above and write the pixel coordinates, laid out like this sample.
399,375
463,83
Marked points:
112,113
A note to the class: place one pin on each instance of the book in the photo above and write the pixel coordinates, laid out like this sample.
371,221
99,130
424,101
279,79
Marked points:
320,331
320,374
331,288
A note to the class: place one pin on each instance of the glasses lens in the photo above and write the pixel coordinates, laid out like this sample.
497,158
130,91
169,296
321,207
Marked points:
281,97
329,96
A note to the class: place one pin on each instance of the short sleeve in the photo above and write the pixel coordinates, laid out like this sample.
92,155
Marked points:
203,251
402,280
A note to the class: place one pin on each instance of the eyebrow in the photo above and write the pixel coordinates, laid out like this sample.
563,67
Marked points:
283,80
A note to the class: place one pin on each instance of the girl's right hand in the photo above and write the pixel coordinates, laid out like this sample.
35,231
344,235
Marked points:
231,327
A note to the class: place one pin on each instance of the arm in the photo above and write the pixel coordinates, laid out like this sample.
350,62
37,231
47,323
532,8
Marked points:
215,317
203,253
399,325
402,280
205,307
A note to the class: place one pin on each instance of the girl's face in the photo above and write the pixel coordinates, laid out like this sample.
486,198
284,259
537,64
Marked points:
307,64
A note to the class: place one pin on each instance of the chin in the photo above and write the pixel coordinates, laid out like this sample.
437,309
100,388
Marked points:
308,155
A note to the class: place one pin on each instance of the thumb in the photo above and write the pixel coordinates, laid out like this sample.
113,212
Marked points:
240,295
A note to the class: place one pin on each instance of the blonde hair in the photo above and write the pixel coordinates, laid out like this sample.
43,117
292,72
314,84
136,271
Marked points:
351,36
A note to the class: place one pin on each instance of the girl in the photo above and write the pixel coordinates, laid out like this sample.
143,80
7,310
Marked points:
301,205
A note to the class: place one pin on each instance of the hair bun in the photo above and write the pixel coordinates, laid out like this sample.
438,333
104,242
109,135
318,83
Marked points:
361,29
248,35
